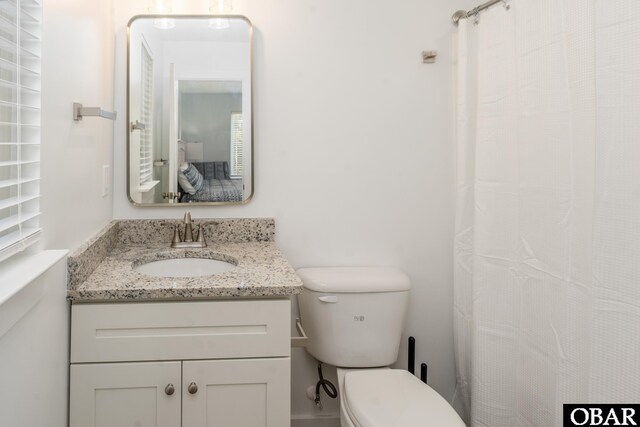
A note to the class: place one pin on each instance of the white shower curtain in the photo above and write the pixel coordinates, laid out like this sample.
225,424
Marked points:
547,241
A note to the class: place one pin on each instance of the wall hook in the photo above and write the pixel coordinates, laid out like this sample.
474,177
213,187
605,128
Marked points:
429,56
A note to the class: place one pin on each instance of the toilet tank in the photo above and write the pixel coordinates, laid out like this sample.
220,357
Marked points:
353,316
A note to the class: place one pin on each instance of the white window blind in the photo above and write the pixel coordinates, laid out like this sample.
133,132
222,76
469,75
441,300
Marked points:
20,48
146,115
236,144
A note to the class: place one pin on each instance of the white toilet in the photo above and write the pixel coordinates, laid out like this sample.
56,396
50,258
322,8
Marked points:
353,317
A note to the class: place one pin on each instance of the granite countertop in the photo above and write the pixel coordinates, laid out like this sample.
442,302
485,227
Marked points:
102,270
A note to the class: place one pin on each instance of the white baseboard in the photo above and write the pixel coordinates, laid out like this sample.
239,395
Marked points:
315,422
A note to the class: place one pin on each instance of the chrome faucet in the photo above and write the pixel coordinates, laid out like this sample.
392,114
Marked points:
188,241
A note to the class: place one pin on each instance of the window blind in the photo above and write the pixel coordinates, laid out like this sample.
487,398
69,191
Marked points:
146,137
20,48
236,144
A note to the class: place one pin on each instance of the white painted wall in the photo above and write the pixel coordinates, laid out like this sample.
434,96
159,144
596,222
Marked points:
77,65
353,149
34,340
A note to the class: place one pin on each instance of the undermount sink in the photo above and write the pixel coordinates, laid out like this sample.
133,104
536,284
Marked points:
184,267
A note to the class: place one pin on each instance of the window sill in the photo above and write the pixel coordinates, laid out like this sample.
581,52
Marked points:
148,186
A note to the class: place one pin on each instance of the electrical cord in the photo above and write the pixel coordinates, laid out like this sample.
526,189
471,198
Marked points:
326,385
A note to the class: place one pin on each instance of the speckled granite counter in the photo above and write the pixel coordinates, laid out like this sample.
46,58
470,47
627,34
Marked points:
102,269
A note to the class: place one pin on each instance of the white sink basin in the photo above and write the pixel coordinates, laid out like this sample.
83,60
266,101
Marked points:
184,267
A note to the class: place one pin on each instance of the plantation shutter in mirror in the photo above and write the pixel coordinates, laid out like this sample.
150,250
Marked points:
20,48
146,136
236,144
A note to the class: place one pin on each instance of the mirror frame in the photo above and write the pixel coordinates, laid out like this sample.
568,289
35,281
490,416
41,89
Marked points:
128,121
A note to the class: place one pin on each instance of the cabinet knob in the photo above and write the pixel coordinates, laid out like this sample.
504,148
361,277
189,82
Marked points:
193,388
169,389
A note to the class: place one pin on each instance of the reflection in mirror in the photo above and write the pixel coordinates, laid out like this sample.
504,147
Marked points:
210,129
190,133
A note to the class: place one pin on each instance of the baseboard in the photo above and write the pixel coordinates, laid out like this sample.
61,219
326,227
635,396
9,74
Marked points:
316,422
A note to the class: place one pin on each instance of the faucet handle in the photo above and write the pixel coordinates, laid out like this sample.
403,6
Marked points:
176,236
200,238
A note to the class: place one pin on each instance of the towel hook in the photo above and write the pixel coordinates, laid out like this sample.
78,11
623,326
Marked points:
429,56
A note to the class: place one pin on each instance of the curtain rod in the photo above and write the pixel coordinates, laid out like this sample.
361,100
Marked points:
462,14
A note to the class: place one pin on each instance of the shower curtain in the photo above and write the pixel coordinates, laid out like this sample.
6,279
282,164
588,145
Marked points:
547,239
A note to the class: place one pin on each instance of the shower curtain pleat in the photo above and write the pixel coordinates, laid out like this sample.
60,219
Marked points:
463,238
547,282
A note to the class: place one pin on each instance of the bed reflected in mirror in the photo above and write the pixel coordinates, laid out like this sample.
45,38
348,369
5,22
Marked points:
189,111
210,129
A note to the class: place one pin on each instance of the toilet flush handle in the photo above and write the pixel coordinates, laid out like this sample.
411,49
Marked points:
329,298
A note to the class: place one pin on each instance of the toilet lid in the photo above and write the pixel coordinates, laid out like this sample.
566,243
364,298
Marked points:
395,398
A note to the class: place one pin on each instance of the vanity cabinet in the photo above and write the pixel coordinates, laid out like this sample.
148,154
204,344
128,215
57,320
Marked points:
190,364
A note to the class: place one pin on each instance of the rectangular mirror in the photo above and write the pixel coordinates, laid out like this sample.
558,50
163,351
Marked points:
189,110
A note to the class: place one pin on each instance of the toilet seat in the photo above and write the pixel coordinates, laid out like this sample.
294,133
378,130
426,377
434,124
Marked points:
394,398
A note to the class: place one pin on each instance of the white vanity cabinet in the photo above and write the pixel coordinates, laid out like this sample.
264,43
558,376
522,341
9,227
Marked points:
189,364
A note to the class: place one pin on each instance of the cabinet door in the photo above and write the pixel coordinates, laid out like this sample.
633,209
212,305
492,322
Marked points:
238,393
125,395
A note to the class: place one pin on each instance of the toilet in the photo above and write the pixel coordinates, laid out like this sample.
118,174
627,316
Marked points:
353,318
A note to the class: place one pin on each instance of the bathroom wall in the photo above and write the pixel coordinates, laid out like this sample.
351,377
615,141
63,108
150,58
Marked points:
77,65
34,339
353,149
